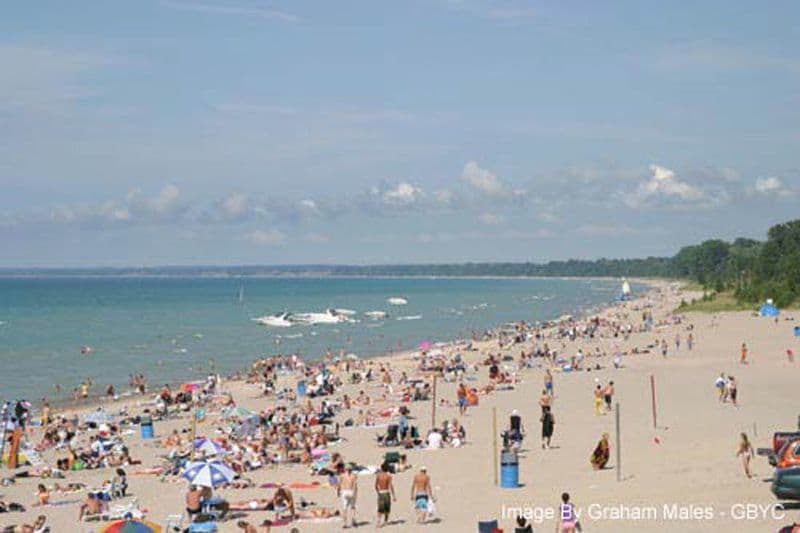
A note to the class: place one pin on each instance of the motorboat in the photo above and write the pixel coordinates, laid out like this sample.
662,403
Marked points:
376,315
280,320
397,300
330,316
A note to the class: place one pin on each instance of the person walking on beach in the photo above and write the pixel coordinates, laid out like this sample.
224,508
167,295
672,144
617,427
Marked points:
745,451
546,400
567,517
422,495
461,395
598,401
690,341
733,390
347,490
608,395
548,382
677,342
548,421
664,348
385,490
743,358
721,384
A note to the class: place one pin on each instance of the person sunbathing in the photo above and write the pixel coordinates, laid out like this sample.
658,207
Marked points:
42,496
601,453
39,526
92,506
261,504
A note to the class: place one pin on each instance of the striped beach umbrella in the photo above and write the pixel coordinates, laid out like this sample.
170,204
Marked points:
208,473
208,447
132,526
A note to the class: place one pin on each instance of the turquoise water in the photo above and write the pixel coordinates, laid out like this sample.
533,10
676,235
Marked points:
168,329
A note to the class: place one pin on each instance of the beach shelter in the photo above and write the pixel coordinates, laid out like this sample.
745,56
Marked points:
131,526
769,309
208,473
208,447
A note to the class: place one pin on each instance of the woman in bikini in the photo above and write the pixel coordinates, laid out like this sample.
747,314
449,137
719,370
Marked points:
745,451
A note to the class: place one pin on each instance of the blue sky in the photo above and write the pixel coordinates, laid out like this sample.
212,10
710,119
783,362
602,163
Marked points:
260,132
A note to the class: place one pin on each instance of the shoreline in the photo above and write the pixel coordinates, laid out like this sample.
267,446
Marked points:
130,397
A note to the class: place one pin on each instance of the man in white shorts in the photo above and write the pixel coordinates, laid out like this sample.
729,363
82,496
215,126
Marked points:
347,489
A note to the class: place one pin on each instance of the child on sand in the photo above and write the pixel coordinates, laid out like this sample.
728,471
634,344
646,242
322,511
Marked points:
743,359
567,517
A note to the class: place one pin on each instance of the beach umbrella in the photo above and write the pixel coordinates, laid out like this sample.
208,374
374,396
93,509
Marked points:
425,345
208,474
208,446
131,526
99,417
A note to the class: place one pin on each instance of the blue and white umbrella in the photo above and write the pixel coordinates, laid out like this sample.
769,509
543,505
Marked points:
208,474
208,447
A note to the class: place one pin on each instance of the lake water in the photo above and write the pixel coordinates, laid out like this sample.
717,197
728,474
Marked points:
169,329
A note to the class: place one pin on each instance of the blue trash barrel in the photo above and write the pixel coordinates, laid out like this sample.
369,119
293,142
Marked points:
146,424
509,469
797,331
301,388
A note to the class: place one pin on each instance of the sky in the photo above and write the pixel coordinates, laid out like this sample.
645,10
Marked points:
182,132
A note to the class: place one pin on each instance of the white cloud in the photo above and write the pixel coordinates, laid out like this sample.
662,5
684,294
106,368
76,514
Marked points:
664,184
490,219
235,205
310,205
772,186
271,237
484,180
402,195
166,204
443,197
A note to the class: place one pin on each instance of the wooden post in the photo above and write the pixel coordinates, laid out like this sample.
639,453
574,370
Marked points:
619,448
494,443
433,407
653,396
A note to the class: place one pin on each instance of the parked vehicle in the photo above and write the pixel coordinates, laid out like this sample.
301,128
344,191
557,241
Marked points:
786,483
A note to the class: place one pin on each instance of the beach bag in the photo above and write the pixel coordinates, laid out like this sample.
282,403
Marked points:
431,509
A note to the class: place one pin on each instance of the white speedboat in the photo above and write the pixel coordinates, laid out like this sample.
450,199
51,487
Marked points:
330,316
376,315
397,300
344,312
281,320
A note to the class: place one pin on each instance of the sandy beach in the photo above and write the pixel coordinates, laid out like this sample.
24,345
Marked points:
682,475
